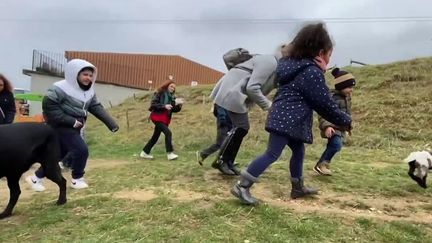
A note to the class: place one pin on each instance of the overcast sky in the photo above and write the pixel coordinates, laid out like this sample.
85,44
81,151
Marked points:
371,31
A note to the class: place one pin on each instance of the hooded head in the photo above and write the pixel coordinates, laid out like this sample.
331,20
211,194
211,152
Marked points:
77,69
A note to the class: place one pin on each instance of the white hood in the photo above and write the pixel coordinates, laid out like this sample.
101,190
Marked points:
70,84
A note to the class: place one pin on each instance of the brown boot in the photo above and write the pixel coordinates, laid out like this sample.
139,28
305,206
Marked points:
323,168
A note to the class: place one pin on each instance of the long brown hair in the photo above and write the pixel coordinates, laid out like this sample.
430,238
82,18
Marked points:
7,83
164,86
310,40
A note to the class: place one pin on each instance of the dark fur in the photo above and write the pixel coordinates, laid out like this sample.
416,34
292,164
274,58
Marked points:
420,181
22,145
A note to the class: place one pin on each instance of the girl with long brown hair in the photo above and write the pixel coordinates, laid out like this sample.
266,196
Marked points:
302,90
162,106
7,101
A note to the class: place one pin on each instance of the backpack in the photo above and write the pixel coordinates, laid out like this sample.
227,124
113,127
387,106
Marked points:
236,56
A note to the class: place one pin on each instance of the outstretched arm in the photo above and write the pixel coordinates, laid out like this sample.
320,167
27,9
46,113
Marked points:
100,113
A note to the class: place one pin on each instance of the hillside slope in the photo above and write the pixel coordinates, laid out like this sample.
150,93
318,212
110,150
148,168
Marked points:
392,108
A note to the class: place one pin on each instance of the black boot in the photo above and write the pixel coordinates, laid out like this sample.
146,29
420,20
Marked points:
228,151
234,168
242,187
223,167
299,190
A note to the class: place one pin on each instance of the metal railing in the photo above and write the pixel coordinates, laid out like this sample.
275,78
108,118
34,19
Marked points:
48,62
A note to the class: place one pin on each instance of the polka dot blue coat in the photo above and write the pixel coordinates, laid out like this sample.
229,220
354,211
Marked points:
302,90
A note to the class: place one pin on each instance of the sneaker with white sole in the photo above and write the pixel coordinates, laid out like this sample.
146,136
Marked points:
79,183
35,183
172,156
145,155
323,168
63,166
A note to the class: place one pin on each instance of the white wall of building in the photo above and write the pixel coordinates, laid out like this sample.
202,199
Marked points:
109,95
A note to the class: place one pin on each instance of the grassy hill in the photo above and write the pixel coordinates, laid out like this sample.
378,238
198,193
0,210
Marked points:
369,198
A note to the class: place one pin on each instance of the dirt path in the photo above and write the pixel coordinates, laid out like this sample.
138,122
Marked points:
342,204
349,206
27,192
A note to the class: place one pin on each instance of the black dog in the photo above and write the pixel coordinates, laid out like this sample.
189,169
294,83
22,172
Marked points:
22,145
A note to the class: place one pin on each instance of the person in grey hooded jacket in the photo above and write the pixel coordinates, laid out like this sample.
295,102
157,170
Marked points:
65,108
237,91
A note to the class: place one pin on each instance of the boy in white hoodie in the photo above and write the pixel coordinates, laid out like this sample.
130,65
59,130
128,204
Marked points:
65,108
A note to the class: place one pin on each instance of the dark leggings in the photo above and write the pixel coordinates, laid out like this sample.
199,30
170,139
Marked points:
275,146
222,132
160,127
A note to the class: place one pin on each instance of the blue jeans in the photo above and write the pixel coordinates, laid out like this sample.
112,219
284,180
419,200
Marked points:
334,145
274,149
76,149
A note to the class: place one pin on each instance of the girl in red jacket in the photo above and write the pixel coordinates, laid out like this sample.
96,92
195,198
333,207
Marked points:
162,106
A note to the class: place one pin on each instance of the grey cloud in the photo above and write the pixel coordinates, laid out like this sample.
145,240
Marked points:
136,26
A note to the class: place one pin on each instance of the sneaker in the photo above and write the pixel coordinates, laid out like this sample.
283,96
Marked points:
144,155
63,166
199,157
172,156
35,183
323,168
79,183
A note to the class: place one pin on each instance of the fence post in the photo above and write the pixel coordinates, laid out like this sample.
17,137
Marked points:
127,120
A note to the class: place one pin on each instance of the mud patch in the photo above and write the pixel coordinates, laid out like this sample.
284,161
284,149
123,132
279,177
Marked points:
138,195
106,164
186,196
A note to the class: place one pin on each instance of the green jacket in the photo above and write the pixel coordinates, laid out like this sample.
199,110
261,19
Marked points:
344,103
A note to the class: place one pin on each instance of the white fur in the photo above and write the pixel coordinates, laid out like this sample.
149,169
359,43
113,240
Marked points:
420,156
421,160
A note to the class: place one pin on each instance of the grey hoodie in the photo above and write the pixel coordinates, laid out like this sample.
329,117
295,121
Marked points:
239,89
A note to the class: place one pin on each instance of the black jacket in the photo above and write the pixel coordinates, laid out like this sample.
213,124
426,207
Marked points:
7,107
158,104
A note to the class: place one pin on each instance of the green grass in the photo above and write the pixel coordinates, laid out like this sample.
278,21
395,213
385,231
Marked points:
369,199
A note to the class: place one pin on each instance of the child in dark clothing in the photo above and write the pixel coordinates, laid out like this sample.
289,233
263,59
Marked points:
344,84
224,125
302,90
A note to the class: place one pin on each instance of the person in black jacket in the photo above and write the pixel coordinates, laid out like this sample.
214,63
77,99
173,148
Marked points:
7,101
163,104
